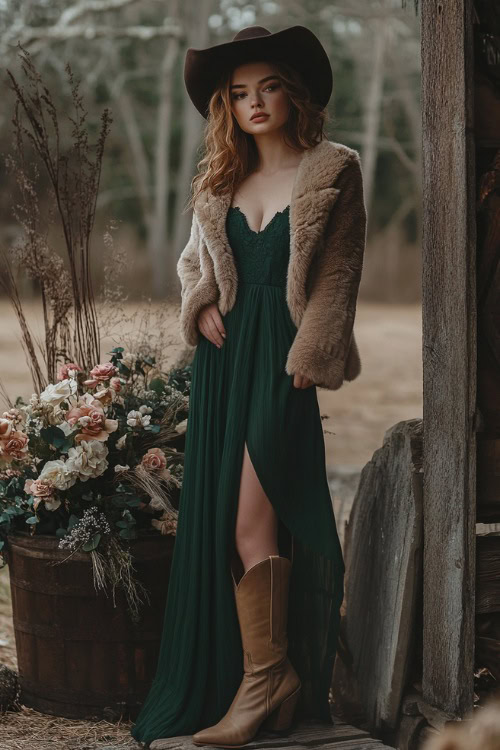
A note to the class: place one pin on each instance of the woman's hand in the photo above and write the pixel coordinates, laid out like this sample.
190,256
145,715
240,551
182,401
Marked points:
300,381
210,324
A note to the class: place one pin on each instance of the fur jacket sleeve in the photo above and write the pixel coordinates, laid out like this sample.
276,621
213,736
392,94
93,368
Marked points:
325,335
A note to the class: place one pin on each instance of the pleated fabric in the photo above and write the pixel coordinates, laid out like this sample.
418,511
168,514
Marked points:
240,393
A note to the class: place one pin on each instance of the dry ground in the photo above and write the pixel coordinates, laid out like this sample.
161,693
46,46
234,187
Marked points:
388,390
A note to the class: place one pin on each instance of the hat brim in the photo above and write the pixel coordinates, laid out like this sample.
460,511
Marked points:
297,45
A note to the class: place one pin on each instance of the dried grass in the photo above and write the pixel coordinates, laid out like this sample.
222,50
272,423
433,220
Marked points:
28,729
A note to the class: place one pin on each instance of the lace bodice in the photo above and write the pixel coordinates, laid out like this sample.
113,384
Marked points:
260,257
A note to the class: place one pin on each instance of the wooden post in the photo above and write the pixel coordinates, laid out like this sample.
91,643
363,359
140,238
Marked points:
449,354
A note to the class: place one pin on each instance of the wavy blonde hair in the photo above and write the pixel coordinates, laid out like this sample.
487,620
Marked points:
230,154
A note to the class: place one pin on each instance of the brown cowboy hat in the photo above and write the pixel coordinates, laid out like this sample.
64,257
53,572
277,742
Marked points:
296,45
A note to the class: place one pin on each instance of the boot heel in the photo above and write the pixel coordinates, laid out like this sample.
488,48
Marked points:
281,717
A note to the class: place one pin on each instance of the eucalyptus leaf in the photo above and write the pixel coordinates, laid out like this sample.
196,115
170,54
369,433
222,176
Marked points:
133,502
128,533
55,436
92,543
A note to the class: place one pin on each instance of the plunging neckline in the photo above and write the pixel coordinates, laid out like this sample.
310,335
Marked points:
237,208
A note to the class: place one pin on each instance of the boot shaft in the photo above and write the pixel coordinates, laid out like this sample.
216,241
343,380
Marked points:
262,605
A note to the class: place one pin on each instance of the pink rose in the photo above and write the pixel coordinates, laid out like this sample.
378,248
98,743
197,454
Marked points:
84,410
15,446
5,427
101,372
39,488
154,460
63,371
95,426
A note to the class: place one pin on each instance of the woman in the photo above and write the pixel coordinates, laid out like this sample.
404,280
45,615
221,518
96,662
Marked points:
270,278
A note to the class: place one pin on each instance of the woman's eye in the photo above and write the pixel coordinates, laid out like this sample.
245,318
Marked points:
271,86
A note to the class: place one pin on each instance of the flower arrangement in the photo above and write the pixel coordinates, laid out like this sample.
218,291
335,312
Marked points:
95,458
92,459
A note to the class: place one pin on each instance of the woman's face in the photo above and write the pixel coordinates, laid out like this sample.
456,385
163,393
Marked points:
254,88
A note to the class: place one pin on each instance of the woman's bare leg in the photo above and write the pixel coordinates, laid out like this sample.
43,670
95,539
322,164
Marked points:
256,520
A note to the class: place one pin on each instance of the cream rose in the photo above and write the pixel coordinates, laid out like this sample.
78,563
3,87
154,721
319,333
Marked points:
59,474
88,459
136,419
55,393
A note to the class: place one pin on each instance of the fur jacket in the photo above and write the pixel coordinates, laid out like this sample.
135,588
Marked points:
327,242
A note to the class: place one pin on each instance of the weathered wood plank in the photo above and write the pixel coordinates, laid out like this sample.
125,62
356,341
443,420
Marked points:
449,354
340,736
383,552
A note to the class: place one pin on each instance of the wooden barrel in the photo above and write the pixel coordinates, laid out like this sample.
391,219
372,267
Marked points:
77,653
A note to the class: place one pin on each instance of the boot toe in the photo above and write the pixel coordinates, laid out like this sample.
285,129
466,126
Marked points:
208,736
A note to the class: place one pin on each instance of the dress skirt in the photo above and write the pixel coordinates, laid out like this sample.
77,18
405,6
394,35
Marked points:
241,393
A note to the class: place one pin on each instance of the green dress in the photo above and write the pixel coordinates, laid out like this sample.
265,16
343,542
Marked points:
242,392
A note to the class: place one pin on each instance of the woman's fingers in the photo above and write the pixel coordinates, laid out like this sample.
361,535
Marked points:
211,325
219,325
300,381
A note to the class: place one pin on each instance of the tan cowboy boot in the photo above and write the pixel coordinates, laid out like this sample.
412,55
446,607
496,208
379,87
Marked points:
270,688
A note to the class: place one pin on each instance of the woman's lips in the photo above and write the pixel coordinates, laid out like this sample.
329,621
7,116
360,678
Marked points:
257,118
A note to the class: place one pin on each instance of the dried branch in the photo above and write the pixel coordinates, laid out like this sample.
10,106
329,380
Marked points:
70,319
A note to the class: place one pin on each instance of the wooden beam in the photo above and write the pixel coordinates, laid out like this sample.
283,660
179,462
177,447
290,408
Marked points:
449,354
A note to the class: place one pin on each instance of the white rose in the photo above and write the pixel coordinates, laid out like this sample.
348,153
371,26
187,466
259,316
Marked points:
145,409
55,393
136,419
181,427
88,459
59,474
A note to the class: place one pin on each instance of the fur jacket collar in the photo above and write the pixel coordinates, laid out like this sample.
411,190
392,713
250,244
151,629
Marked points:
327,242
